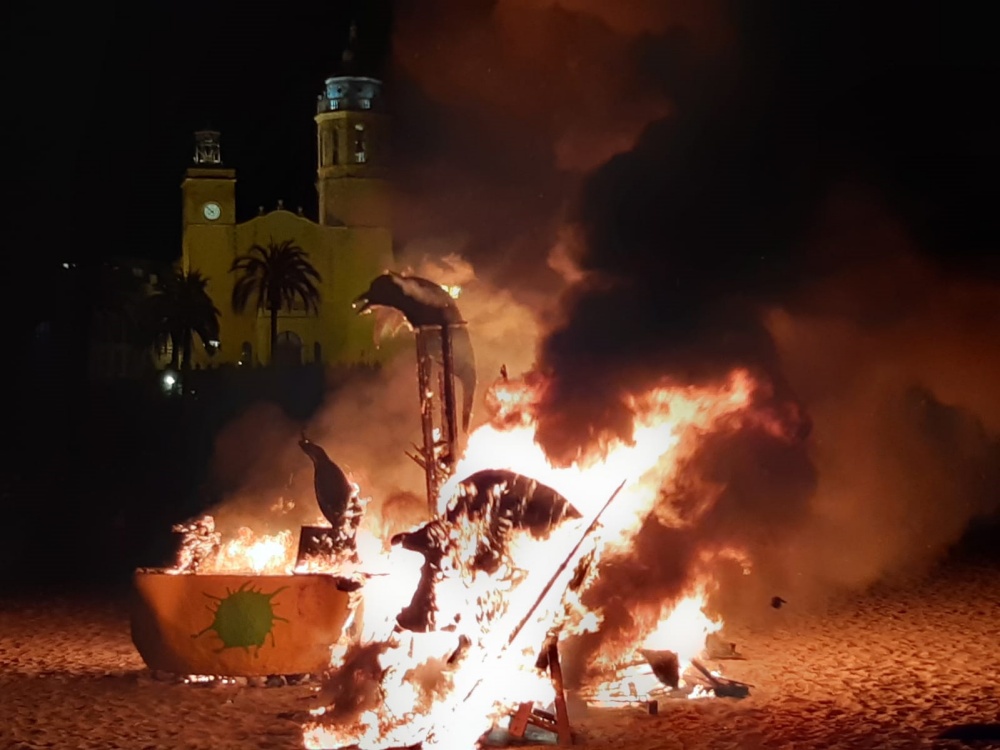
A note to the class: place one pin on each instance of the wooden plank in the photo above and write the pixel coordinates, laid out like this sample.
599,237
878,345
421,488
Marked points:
563,730
519,723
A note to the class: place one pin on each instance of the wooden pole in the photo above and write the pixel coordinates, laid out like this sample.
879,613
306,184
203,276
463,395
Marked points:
565,564
562,714
573,555
450,417
427,419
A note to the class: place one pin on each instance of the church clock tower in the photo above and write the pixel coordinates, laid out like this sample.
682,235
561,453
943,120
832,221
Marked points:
209,232
353,149
209,188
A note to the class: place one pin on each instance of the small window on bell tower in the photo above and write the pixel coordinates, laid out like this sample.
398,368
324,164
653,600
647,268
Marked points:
359,144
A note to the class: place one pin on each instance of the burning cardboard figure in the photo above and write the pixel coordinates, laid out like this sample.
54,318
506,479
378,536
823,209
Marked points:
340,502
425,304
442,337
473,537
480,600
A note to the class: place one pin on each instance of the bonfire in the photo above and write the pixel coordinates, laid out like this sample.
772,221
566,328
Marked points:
504,570
453,627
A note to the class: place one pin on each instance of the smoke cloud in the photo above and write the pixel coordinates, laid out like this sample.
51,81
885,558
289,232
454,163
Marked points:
509,104
717,186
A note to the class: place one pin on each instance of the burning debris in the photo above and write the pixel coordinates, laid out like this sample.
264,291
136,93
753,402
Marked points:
505,564
666,666
474,537
199,542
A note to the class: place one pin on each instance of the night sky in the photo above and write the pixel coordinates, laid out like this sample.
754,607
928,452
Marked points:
106,98
110,93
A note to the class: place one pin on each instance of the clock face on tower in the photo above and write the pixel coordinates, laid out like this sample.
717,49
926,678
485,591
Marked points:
212,211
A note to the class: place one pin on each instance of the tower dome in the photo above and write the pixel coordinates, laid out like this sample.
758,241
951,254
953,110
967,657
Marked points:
347,90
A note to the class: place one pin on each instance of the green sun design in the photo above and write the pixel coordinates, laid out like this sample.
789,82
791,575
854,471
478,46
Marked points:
243,618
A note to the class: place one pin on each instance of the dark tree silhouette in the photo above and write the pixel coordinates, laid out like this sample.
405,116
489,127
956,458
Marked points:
276,277
179,308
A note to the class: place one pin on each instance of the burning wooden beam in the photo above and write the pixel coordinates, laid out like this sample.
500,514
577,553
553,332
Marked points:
572,558
722,687
424,373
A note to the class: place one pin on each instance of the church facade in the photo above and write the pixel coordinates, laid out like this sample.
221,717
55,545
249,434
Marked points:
349,245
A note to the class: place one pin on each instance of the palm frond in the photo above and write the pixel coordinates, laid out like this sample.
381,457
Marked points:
179,307
278,275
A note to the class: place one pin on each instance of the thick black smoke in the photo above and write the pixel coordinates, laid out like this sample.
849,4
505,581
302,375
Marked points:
799,189
706,222
783,219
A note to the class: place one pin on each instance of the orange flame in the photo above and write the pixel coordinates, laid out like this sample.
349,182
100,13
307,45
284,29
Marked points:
427,698
246,552
682,630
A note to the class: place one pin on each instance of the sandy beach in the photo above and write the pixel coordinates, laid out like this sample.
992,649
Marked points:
889,669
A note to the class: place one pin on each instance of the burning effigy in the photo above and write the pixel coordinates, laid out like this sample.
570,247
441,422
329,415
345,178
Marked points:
452,631
503,567
445,357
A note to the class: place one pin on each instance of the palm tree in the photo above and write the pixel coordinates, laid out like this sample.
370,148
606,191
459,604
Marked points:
276,276
178,309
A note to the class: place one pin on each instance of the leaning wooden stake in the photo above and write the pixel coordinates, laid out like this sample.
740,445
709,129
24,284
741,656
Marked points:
570,558
573,555
563,731
427,419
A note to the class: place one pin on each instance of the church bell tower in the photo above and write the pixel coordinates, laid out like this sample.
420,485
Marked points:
208,243
353,149
209,187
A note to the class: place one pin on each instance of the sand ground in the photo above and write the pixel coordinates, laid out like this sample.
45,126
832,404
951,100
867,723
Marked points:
884,670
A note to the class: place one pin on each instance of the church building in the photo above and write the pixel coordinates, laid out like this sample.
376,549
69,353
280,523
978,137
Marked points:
349,246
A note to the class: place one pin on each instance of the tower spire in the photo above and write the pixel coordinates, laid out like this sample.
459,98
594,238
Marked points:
349,55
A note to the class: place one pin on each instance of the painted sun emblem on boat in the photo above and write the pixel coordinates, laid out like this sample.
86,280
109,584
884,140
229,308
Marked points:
243,618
